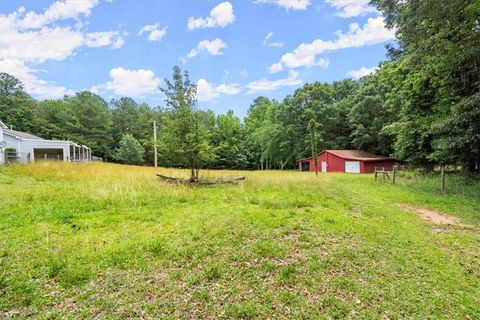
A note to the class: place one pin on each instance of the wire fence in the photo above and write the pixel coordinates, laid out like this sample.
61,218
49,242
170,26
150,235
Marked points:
18,157
27,157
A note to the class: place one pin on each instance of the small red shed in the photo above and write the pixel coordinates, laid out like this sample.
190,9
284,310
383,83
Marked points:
349,161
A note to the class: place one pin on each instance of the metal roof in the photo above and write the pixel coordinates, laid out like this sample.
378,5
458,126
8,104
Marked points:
357,155
20,134
353,155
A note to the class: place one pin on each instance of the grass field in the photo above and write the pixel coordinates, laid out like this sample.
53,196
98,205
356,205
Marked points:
112,241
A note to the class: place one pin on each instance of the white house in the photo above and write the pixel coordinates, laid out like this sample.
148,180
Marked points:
30,148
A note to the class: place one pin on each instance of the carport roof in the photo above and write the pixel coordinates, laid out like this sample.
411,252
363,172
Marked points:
20,134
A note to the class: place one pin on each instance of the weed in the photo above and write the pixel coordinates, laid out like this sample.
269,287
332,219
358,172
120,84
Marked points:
74,276
3,280
244,310
212,273
268,249
287,274
54,267
202,294
157,248
289,298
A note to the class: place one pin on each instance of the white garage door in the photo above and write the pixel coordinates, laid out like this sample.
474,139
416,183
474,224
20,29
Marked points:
352,166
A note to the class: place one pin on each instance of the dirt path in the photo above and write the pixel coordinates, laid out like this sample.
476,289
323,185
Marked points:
433,216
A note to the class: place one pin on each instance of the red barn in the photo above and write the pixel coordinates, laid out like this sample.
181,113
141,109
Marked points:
349,161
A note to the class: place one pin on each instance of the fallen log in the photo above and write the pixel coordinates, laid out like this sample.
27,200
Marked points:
224,181
200,182
173,180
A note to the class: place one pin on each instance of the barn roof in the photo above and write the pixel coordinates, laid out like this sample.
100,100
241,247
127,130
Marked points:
357,155
353,155
20,134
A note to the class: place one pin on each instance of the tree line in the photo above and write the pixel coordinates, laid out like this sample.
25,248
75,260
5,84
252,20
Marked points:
421,106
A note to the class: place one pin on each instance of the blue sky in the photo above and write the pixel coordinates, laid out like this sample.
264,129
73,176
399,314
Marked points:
234,50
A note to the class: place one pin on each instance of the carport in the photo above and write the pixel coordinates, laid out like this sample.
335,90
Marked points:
28,148
47,154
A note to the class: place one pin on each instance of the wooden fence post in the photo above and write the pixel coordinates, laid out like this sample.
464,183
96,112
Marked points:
442,178
394,174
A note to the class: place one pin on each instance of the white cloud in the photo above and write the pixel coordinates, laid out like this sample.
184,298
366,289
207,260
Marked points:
157,35
268,36
352,8
29,38
33,84
244,73
372,32
59,10
155,32
213,47
276,67
132,83
148,28
103,39
269,85
362,72
230,89
321,62
47,43
95,89
118,43
271,44
206,91
288,4
220,16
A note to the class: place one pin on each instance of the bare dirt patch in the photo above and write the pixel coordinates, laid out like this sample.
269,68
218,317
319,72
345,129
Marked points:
433,216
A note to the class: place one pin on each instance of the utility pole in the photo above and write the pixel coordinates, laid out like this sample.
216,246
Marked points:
155,142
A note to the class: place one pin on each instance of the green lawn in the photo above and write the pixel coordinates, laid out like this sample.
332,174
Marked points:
112,241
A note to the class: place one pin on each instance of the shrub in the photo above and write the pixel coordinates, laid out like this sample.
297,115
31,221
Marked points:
130,150
10,155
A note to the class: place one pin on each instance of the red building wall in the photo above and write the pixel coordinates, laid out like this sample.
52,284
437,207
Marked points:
369,166
337,164
334,163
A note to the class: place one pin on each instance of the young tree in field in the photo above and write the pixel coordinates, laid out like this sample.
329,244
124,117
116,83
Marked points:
130,150
314,139
184,135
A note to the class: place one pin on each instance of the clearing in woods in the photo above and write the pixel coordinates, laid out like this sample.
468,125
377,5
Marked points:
112,241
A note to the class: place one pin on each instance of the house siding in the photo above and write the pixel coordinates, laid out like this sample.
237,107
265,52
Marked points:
25,147
25,144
